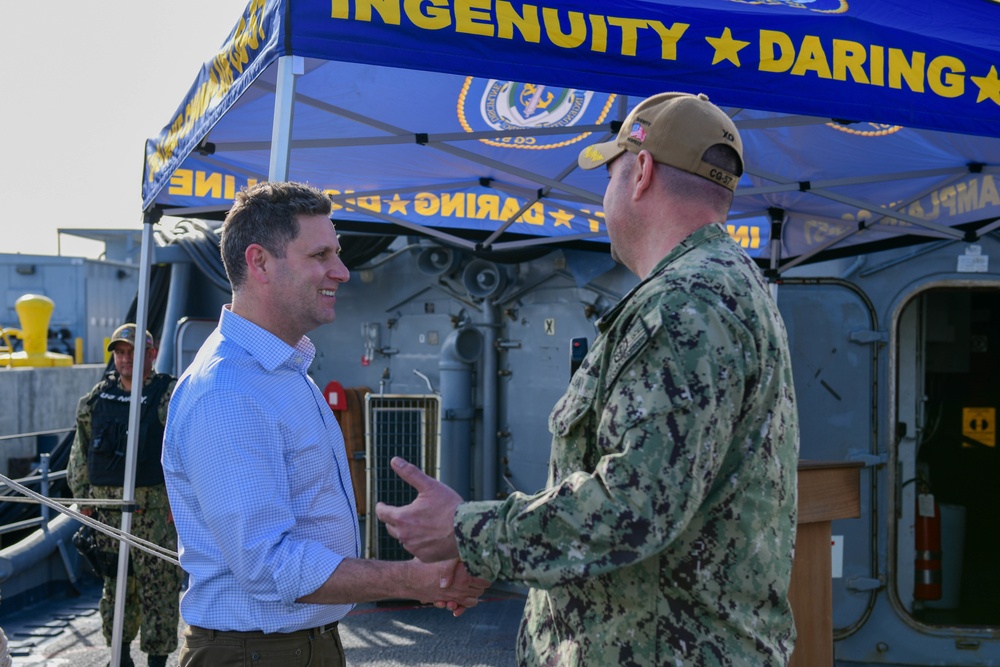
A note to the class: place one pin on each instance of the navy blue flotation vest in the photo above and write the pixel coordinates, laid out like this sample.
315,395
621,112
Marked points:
109,433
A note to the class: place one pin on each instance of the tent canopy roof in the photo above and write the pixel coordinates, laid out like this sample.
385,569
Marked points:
862,121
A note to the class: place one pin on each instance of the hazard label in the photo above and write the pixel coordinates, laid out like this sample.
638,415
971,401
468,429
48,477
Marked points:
979,427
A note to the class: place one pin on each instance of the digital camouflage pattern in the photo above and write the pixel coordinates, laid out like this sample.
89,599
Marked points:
665,535
153,589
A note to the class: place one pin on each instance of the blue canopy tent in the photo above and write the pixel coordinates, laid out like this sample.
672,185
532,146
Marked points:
863,121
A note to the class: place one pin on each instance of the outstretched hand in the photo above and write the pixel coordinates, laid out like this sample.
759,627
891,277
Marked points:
425,527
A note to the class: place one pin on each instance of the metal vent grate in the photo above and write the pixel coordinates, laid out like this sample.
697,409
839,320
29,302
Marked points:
397,425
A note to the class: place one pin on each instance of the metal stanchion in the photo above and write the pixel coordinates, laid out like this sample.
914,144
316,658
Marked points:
44,461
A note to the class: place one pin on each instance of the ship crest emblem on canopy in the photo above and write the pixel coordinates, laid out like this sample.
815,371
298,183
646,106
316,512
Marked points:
513,105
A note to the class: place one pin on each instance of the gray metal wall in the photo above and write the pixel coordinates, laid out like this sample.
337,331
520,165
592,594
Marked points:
845,333
846,330
91,297
860,355
39,399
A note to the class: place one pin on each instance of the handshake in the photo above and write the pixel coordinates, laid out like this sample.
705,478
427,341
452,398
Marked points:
425,529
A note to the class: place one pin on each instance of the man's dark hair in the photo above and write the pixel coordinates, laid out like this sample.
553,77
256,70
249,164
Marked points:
266,214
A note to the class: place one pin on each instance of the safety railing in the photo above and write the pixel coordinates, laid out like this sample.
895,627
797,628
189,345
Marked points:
18,436
43,480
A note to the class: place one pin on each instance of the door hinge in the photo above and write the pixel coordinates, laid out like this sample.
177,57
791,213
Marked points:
868,336
869,460
864,584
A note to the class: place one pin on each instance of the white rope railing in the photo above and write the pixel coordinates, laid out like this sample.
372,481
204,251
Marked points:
97,502
57,504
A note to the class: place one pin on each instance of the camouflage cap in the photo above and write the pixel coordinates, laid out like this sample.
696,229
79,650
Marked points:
676,129
126,334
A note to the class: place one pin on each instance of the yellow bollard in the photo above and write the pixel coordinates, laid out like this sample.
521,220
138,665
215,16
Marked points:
34,311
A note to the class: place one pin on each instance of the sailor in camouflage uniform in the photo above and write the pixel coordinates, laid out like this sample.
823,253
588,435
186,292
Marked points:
665,535
96,469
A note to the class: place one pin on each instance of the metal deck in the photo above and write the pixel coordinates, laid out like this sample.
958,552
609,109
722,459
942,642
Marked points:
66,632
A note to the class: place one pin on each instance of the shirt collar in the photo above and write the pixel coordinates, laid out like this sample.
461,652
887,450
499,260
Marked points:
269,350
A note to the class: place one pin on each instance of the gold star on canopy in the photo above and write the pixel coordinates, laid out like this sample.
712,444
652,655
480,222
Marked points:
397,205
562,218
726,48
989,86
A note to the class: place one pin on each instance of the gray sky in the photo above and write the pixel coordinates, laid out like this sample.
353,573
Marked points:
84,85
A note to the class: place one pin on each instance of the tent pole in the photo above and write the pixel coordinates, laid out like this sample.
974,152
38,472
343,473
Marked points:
281,128
149,218
777,216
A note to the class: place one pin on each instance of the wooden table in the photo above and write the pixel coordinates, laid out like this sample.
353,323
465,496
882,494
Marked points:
827,491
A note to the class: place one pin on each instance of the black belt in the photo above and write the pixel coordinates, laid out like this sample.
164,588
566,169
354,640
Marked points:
311,632
322,629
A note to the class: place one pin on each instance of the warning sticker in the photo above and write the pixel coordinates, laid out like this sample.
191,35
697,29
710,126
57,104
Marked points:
979,427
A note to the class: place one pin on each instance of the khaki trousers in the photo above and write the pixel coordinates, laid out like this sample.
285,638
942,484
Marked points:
317,647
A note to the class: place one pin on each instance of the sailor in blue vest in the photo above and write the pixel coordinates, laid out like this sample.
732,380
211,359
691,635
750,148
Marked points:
97,470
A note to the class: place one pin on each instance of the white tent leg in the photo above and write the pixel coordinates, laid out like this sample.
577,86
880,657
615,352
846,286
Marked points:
128,489
281,128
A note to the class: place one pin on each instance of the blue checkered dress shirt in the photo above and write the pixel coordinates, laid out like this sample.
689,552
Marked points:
259,483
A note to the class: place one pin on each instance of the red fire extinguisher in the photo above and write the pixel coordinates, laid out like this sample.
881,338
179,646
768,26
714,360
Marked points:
927,567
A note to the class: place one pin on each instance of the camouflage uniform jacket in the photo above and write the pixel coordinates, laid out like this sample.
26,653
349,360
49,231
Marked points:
153,498
665,534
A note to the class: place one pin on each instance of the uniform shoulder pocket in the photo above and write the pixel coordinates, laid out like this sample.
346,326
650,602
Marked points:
576,403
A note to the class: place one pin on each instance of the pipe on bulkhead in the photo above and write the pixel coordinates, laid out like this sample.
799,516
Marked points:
490,373
459,353
177,297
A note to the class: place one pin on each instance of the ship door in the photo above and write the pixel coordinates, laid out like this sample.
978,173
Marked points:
949,489
834,345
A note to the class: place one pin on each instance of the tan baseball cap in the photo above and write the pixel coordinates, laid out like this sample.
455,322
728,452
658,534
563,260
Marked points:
126,333
676,129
